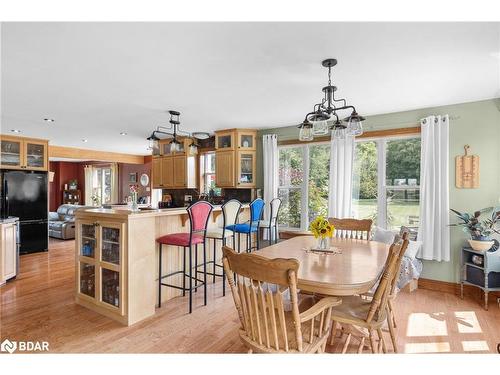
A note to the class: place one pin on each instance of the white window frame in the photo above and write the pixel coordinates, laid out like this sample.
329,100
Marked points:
304,188
382,187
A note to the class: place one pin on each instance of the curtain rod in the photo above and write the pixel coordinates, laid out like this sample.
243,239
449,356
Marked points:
415,123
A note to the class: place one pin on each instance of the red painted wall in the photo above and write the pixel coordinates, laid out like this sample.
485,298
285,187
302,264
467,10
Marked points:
63,173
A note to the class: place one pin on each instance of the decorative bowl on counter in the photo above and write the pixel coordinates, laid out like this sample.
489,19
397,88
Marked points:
481,245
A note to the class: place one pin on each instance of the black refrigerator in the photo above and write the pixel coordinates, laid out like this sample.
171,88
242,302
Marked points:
24,195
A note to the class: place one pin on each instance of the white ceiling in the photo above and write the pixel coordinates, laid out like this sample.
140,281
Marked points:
99,79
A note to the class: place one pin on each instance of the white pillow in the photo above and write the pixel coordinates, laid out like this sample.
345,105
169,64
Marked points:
384,236
413,248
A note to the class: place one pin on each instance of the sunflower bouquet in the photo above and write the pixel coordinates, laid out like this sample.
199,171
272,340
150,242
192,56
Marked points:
321,228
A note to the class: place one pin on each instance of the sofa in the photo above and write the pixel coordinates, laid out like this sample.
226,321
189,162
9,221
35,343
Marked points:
62,222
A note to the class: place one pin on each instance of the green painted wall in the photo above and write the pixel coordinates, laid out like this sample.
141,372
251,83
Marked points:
476,124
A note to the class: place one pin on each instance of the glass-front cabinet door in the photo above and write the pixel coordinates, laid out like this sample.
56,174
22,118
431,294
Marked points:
11,155
224,140
87,243
246,140
111,259
100,268
246,169
36,155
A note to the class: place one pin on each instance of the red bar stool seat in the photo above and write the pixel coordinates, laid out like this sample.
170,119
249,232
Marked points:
180,239
199,214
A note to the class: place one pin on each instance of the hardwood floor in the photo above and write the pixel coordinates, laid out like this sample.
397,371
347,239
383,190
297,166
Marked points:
39,305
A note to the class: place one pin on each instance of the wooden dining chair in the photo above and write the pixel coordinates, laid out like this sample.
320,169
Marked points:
391,319
352,228
371,315
272,319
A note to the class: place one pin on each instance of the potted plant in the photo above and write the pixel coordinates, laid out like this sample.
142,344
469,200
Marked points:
322,231
479,230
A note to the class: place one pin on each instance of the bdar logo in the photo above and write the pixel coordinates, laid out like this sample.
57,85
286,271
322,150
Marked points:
8,346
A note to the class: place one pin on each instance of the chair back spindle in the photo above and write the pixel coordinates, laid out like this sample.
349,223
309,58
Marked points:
352,228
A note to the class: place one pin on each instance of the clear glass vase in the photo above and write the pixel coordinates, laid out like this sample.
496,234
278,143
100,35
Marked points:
323,243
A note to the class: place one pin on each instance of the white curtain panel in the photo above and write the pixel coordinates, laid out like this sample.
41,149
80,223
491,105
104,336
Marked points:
271,166
434,231
340,190
88,185
114,183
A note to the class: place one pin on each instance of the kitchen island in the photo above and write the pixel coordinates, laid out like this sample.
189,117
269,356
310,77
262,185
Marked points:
116,258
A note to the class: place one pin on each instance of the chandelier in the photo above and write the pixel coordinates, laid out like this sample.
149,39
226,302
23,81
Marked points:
173,131
316,122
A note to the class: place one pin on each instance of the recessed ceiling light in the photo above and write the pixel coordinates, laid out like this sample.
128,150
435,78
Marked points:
85,140
123,133
15,131
49,120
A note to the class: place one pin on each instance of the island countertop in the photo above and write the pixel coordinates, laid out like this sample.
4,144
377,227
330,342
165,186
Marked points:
129,214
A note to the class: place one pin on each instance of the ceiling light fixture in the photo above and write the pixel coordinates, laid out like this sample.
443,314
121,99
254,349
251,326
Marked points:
315,122
200,135
85,140
15,131
174,132
49,120
123,133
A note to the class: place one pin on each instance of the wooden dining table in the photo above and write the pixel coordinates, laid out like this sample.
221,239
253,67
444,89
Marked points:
353,268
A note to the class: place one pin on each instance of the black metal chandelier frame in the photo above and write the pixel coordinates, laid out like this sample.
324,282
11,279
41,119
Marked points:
326,109
172,130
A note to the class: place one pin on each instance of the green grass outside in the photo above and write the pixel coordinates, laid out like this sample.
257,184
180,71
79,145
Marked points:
399,211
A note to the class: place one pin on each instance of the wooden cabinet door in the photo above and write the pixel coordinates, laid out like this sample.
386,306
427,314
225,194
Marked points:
9,250
11,156
224,169
167,172
224,140
245,166
156,170
246,140
180,173
35,155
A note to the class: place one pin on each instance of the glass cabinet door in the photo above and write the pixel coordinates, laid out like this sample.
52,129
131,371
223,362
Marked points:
110,283
35,155
246,140
87,279
11,153
224,141
110,251
88,240
246,168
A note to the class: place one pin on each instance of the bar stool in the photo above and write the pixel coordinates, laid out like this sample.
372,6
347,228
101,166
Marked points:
230,213
272,224
199,213
252,226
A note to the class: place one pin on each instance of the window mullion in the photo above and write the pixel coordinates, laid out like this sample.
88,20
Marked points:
381,188
304,217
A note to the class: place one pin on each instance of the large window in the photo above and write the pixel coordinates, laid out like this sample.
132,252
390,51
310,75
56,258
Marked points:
303,172
386,180
101,185
207,169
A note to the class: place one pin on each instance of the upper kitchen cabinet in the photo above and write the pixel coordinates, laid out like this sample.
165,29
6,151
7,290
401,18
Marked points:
235,160
24,153
235,139
174,172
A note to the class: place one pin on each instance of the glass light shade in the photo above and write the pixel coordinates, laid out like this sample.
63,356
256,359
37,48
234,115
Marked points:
193,150
154,146
174,146
354,128
306,133
320,128
339,133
